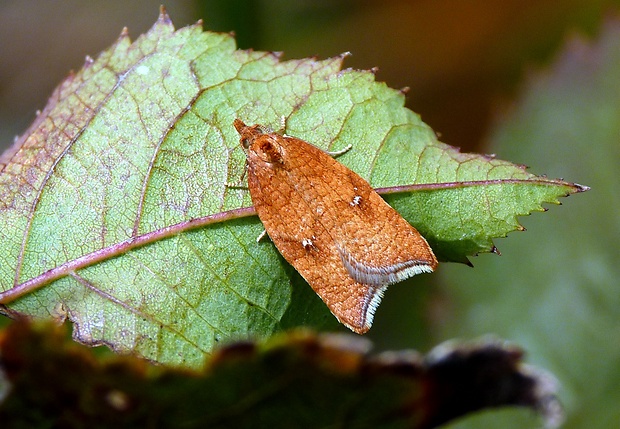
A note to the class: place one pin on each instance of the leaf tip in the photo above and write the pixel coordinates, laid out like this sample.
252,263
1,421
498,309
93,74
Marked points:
580,188
526,167
164,18
88,62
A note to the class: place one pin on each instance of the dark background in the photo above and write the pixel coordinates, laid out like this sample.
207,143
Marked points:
462,59
468,63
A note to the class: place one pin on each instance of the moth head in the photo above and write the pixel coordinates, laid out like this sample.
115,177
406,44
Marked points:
247,134
260,142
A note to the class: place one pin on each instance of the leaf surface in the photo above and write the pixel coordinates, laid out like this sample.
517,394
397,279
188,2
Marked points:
117,211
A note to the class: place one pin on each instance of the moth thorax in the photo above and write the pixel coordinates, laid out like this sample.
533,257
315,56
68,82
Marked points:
268,150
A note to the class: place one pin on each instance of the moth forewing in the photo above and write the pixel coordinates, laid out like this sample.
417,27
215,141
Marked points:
329,223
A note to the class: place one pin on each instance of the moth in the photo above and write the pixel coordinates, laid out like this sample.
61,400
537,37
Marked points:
330,224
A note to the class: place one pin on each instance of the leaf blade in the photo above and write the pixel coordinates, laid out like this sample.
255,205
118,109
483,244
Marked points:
118,211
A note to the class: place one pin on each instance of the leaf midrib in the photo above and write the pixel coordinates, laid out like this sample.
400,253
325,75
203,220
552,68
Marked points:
138,241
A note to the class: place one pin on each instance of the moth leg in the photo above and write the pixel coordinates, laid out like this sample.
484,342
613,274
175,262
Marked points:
339,152
334,154
282,129
236,185
240,184
261,236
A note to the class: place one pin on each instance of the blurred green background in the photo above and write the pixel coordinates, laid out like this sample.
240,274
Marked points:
536,83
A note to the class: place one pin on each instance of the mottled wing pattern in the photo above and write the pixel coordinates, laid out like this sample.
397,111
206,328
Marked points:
329,223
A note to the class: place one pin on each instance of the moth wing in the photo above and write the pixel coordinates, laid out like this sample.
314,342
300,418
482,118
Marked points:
380,276
354,306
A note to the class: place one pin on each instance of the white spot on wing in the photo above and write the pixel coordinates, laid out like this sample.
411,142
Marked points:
307,243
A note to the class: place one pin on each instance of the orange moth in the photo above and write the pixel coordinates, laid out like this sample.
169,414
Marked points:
330,224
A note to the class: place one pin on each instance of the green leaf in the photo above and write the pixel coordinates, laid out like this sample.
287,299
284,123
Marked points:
297,380
555,290
117,213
